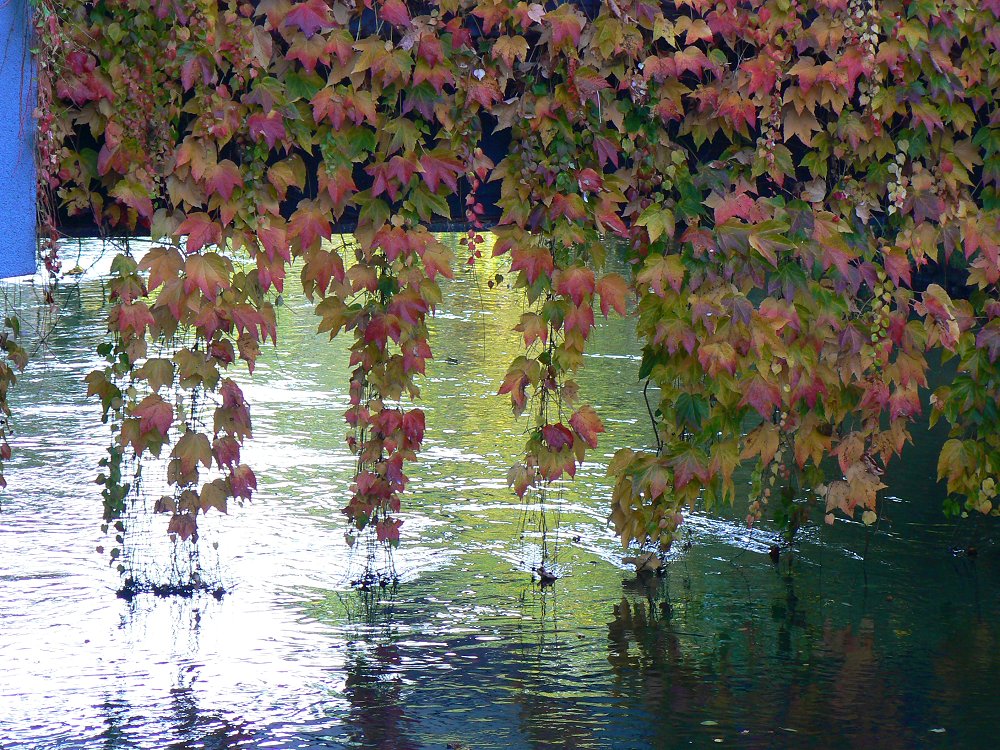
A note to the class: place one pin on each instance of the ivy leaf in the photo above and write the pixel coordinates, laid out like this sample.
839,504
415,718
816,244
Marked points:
310,17
607,152
134,317
268,126
191,449
334,315
310,223
761,441
691,410
437,260
206,272
566,23
688,465
510,48
521,373
613,291
387,530
395,12
988,338
226,451
214,494
799,124
242,481
183,525
157,372
290,172
534,328
154,414
201,230
575,282
533,261
660,272
438,167
162,263
762,395
223,178
658,221
413,426
587,424
557,436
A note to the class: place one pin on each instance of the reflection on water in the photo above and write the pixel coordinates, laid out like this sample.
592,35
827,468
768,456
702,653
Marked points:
833,647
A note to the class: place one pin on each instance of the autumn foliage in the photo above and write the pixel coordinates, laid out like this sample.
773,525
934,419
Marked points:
791,183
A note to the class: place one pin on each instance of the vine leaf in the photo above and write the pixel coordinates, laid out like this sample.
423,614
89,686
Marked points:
587,425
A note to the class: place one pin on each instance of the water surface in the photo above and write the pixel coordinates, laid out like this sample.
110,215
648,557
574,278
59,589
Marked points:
899,649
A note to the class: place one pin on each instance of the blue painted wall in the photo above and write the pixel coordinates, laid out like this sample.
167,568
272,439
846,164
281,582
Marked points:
17,129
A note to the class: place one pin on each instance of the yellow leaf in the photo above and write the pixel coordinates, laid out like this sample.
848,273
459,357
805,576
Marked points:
510,48
802,125
761,441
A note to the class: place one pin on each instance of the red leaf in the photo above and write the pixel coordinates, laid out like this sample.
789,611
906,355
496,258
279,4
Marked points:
687,466
988,338
557,436
269,125
521,373
408,306
441,168
577,283
339,185
380,329
589,84
154,414
486,92
309,51
579,319
223,178
763,74
571,206
587,425
309,17
589,180
566,23
401,168
613,290
855,64
136,317
207,273
183,525
533,260
413,427
321,266
275,241
310,223
607,216
395,12
388,530
394,241
201,229
242,481
226,450
607,152
762,396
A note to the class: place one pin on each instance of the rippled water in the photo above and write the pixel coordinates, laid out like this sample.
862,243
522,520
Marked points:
827,650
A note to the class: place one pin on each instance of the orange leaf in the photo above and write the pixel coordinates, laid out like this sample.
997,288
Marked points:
587,425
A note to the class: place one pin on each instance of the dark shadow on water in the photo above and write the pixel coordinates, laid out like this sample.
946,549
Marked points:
374,690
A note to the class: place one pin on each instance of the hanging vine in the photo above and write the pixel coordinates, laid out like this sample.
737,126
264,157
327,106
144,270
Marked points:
785,176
